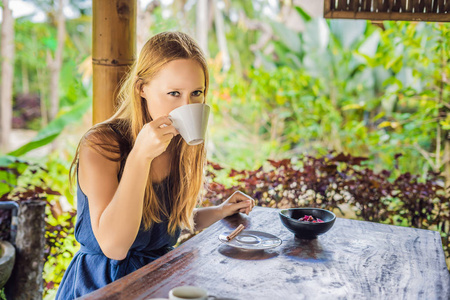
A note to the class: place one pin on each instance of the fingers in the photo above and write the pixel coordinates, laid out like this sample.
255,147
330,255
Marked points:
157,123
243,199
169,130
245,210
162,126
242,205
161,136
238,202
240,196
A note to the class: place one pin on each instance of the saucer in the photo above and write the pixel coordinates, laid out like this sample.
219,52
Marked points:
251,240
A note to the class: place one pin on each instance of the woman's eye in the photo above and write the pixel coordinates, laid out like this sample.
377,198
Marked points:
197,93
175,94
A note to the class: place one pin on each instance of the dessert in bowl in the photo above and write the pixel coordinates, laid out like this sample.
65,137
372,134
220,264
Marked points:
317,221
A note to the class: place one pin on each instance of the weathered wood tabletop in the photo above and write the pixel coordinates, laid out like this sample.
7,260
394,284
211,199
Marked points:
354,260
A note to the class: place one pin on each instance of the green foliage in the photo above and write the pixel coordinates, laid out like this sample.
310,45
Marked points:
341,84
58,166
11,169
55,127
46,181
32,71
2,294
332,180
61,247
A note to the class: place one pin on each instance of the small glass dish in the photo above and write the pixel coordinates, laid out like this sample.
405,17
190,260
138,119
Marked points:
251,240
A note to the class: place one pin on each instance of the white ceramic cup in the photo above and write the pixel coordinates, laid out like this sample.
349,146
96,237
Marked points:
188,292
191,121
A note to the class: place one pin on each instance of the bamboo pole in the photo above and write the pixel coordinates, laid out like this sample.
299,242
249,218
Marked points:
113,51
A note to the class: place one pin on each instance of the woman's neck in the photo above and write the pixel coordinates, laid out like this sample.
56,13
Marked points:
161,167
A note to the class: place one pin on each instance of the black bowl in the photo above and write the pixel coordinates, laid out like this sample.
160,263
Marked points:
303,229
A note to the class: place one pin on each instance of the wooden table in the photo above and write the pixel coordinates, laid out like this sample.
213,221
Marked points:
354,260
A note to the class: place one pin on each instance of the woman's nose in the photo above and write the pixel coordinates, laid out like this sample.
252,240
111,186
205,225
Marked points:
195,100
186,100
190,100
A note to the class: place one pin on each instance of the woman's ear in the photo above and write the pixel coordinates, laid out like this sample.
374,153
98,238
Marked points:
140,88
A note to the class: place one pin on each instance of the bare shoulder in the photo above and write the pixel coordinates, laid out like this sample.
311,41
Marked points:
99,159
99,145
107,142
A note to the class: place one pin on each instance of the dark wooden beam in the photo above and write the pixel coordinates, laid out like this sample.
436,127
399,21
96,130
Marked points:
388,16
403,10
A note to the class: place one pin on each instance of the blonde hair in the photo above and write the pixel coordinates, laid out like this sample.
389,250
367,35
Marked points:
117,135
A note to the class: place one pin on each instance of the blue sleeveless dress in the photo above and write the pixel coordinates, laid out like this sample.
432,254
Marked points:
90,269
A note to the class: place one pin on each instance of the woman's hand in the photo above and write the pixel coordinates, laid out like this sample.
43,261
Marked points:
154,137
238,202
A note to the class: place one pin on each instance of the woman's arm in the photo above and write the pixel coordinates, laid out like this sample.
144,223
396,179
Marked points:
116,208
238,202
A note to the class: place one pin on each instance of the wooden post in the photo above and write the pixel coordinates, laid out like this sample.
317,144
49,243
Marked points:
26,282
113,51
7,75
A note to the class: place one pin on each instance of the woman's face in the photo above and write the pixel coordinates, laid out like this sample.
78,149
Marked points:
178,83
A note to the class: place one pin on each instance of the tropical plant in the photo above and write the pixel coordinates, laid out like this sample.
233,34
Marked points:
344,85
32,70
335,179
23,181
387,83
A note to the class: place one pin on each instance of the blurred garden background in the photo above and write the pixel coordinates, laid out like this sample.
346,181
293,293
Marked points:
285,84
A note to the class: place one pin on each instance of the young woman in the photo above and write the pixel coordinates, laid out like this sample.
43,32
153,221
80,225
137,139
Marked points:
138,182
